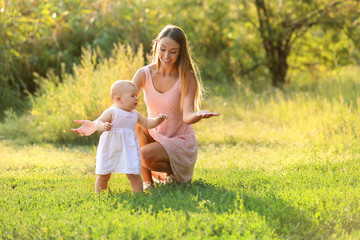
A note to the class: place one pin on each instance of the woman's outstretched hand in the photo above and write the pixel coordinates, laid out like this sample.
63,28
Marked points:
87,128
206,114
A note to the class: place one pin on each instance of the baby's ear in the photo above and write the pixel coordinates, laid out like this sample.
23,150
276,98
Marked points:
117,98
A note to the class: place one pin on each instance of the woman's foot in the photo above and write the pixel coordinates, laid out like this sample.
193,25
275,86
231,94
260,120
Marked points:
147,186
170,178
163,178
158,177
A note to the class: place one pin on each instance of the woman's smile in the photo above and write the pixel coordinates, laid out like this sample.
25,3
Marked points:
169,50
166,61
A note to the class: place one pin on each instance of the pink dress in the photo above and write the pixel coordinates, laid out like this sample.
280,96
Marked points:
177,138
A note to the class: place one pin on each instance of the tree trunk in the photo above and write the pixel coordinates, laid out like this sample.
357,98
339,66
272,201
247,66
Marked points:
276,44
279,29
278,67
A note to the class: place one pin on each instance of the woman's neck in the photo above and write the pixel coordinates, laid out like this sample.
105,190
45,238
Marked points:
167,71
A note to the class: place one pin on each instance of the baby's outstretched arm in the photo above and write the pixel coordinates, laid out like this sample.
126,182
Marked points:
103,123
87,128
148,123
102,126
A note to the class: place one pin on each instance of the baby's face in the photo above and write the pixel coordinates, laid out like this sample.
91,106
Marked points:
129,99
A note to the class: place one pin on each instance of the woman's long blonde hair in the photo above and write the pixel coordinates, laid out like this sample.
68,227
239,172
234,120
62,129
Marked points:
185,62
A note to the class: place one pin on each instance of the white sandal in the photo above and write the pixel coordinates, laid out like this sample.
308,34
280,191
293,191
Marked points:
147,185
169,179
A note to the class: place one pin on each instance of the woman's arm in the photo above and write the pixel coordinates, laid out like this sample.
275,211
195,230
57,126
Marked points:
139,79
189,114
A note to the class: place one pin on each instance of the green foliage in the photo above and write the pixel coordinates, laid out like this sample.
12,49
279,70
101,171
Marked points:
82,95
322,112
320,49
37,36
281,24
40,36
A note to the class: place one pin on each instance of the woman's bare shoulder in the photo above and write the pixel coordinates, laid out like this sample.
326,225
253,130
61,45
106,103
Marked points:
139,75
140,72
152,67
139,78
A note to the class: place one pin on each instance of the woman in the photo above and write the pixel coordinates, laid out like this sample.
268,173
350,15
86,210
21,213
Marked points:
171,85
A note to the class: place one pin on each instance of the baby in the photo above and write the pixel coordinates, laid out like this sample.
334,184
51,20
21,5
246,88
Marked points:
119,149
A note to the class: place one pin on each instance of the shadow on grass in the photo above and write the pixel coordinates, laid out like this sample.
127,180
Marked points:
200,196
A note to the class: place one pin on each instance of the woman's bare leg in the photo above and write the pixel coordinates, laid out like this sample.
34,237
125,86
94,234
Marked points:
143,139
153,155
155,158
135,182
101,182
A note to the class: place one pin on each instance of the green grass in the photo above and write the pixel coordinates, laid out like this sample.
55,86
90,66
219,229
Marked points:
47,192
275,164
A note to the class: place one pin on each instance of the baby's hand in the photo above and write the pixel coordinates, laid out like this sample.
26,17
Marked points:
107,126
162,116
87,128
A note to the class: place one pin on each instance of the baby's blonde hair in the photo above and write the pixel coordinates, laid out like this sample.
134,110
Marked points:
119,87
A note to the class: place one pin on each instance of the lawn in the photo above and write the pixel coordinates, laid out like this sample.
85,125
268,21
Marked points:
281,165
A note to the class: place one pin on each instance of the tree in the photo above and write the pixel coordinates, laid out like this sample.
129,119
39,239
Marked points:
280,24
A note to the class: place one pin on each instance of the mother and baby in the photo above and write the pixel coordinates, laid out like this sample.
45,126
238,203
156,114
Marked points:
164,144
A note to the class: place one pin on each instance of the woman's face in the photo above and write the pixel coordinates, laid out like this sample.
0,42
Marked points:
169,51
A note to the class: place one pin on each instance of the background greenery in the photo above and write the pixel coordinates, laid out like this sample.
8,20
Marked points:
226,37
279,163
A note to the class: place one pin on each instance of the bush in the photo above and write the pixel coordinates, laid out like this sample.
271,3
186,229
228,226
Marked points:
81,95
38,36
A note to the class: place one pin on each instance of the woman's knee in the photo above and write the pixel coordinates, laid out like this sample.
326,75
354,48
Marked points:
145,152
146,155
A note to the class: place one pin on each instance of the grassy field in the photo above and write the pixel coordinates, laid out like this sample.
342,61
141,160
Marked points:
274,165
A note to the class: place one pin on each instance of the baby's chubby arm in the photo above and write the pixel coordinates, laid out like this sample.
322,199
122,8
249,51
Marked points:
103,123
148,123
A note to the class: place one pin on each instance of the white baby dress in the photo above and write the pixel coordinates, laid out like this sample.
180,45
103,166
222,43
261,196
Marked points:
119,149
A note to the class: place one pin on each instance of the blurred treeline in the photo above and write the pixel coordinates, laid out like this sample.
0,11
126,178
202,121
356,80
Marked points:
233,41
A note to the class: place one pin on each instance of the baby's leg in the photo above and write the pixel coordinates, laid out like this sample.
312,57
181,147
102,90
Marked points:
135,182
101,182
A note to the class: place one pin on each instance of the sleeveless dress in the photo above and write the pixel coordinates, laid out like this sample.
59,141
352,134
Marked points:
119,149
177,138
